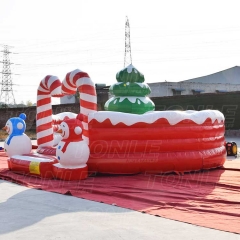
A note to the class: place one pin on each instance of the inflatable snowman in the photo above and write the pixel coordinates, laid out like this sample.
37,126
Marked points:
57,119
72,151
17,143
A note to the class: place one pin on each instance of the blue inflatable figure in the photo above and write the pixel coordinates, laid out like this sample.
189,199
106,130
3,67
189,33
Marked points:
17,143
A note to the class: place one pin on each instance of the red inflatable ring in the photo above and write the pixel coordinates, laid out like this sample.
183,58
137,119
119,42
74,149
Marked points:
156,142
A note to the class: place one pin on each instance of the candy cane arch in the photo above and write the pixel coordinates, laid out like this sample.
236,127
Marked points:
88,99
49,87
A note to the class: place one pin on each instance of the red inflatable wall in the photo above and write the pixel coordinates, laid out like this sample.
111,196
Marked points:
157,147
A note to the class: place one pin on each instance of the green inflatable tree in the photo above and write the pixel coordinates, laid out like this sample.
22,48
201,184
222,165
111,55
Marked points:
130,93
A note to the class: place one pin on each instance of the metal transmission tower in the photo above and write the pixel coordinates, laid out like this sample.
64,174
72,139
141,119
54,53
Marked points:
128,54
6,96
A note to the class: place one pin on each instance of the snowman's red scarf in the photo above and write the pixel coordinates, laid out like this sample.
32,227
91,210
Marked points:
66,143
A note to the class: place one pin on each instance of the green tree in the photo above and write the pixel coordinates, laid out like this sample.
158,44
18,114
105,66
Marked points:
3,105
29,103
130,93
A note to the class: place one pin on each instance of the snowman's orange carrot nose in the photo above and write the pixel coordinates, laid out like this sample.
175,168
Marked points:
4,128
59,131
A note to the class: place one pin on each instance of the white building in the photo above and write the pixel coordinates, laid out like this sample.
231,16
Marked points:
74,98
68,99
224,81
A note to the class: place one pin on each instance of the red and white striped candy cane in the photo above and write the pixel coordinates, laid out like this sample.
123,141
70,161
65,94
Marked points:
49,87
88,99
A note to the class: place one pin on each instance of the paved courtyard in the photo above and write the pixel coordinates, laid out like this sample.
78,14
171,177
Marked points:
34,214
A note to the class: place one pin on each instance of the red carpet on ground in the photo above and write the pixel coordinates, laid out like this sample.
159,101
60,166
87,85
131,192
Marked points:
207,198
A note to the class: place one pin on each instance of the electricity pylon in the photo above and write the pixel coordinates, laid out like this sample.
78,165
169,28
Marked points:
128,54
6,96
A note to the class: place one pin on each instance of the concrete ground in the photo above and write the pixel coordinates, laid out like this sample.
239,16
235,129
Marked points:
34,214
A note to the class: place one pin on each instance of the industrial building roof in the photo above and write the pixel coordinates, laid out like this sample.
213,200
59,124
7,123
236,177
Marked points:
231,76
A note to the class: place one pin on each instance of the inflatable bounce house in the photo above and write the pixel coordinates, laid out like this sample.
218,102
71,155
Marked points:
129,137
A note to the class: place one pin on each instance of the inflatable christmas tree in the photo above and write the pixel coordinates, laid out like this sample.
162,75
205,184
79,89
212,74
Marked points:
129,93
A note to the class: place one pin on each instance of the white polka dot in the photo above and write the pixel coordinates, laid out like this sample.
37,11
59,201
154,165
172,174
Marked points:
78,130
19,125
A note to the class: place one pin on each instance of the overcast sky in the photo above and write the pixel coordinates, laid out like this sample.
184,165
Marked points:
170,40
